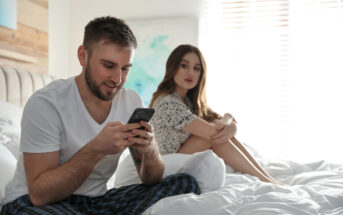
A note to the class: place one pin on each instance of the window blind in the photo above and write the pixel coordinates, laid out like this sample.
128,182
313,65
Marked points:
266,61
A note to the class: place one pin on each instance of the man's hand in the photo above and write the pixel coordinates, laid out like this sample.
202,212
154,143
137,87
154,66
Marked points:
113,138
143,141
226,128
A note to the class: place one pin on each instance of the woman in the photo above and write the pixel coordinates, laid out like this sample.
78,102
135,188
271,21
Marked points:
183,123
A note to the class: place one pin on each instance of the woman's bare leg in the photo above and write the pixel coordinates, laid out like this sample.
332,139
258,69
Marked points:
252,160
228,151
194,144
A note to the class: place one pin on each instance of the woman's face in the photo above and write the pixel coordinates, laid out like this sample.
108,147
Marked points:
188,73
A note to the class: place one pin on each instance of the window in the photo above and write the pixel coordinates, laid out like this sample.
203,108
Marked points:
276,65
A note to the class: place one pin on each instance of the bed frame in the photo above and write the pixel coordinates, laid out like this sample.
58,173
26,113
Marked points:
17,85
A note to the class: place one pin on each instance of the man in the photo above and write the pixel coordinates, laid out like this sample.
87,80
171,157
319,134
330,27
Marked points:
73,135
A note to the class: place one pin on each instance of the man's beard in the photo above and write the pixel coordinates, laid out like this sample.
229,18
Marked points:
96,88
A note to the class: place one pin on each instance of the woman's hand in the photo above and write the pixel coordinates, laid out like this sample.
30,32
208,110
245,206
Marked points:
226,128
228,118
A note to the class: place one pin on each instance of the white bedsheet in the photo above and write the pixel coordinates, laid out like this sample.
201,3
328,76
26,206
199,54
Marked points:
316,188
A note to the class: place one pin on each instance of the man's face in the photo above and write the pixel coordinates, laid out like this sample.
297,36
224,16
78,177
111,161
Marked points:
107,69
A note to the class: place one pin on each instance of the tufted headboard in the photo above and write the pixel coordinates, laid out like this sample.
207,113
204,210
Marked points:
17,85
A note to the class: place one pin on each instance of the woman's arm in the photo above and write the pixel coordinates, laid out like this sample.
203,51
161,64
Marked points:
224,128
171,112
218,131
201,128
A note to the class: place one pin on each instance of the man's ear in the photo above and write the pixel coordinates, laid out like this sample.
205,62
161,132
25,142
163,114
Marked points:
82,55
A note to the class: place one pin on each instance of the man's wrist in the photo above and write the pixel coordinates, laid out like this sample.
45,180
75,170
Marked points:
93,147
152,155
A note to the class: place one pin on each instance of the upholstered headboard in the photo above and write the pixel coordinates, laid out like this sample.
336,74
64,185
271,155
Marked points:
17,85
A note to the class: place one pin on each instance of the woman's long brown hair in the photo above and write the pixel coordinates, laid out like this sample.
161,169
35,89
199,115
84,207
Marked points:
197,95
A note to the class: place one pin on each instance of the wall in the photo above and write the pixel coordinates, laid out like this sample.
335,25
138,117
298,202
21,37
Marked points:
67,31
59,37
27,47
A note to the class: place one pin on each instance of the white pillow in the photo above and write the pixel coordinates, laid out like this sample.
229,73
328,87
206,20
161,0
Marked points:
126,173
206,167
208,170
10,117
174,163
11,112
11,141
7,167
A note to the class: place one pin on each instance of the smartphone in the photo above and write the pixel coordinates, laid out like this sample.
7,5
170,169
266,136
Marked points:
139,114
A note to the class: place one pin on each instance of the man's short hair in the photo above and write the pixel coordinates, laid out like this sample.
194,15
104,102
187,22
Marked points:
108,28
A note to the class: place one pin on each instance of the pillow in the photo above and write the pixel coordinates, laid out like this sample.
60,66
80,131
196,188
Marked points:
126,173
174,162
206,167
11,112
10,117
11,141
208,170
7,166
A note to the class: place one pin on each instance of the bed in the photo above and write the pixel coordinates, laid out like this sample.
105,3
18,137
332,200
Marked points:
315,188
16,86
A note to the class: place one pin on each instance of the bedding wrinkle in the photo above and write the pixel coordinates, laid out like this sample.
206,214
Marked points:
317,189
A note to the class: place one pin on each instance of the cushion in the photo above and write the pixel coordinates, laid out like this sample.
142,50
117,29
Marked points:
7,166
126,173
10,117
11,112
208,170
206,167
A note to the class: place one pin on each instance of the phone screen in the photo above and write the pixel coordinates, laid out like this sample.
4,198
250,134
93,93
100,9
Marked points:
141,114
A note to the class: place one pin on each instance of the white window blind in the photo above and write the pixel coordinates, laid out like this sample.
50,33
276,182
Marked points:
267,60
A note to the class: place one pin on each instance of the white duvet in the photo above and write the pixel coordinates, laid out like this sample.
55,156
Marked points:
315,188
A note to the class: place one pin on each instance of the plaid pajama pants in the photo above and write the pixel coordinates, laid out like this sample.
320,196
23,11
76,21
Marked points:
133,199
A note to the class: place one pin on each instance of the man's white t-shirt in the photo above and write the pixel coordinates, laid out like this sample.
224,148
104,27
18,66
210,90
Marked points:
55,119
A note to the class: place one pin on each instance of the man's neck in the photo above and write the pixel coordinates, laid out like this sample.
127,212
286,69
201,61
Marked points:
96,107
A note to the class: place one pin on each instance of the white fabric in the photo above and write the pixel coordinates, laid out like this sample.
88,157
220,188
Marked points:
126,173
7,167
10,116
206,167
316,189
55,119
171,115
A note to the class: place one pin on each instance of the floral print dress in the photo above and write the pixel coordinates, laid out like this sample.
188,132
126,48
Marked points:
171,115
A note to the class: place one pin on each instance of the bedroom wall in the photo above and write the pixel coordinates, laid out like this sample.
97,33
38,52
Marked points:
27,46
59,37
67,30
